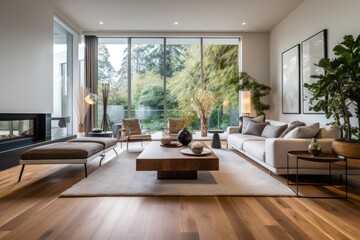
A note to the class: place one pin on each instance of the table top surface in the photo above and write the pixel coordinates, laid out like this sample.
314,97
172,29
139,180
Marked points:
323,157
215,131
155,151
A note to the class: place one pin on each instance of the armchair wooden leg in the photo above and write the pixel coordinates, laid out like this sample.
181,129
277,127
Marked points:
127,145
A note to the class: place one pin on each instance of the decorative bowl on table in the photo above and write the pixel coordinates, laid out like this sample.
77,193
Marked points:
165,140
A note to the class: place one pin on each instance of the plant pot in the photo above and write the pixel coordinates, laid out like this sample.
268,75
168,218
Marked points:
346,149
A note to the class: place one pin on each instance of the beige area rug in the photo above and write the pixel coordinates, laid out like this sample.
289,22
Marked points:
236,177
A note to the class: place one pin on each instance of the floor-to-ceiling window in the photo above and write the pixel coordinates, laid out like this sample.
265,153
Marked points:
183,76
221,70
164,73
61,123
147,81
112,65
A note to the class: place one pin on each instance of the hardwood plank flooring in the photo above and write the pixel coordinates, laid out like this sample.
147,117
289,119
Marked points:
32,209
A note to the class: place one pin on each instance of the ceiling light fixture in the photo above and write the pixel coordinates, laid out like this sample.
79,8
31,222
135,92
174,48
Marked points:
176,23
101,22
244,23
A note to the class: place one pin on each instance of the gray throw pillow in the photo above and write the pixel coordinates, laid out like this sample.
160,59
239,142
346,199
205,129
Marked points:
272,131
309,131
246,120
292,126
254,128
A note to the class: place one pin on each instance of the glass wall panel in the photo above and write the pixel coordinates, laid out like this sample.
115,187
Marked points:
112,65
183,78
61,123
154,88
147,81
221,70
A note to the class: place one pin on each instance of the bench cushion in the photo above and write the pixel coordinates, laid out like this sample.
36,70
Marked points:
63,150
106,142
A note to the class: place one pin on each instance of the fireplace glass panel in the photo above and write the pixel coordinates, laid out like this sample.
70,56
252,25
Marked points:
16,129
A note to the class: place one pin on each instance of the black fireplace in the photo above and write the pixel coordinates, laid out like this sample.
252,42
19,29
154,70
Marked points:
22,131
17,130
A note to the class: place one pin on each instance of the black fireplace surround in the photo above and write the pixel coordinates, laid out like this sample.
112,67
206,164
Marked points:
35,130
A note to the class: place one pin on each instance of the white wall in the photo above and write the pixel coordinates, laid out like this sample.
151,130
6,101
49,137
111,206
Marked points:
26,45
255,58
339,17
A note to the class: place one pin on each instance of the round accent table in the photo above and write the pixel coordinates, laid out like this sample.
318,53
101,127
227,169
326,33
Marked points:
326,158
215,143
100,134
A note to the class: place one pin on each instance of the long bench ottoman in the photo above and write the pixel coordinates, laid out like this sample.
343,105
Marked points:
71,152
108,143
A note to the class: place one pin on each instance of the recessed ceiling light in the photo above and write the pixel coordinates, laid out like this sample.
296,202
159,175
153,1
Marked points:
244,23
101,22
176,23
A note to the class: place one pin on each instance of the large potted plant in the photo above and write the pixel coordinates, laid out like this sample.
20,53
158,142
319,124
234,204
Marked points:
337,93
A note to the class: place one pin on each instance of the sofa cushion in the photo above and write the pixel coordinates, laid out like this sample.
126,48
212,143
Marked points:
255,149
272,131
254,128
330,131
237,139
292,126
244,121
309,131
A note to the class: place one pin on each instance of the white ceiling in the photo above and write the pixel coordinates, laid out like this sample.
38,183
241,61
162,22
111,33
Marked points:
192,15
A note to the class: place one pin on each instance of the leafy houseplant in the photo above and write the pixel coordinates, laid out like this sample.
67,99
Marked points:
337,91
258,90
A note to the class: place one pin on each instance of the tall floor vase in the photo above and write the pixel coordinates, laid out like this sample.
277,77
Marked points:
203,126
105,121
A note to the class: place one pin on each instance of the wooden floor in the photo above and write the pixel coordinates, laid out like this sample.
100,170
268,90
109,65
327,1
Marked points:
32,209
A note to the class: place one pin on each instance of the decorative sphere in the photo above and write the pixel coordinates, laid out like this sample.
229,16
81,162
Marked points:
91,98
196,147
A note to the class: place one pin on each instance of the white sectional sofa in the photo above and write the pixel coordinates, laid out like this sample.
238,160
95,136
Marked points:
271,153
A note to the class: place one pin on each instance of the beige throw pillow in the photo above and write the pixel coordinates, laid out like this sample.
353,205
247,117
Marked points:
291,126
330,131
309,131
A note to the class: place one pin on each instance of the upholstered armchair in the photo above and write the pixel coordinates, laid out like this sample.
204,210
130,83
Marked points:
131,131
175,125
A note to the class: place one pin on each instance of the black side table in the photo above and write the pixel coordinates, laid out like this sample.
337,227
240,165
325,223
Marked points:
100,134
215,143
328,158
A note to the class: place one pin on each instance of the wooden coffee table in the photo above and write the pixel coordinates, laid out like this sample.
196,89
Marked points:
170,163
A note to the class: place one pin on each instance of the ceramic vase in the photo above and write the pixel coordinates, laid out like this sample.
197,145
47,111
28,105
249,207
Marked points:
184,136
203,126
314,147
165,140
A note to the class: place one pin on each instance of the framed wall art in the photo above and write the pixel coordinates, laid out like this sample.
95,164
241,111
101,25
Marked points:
291,80
313,49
